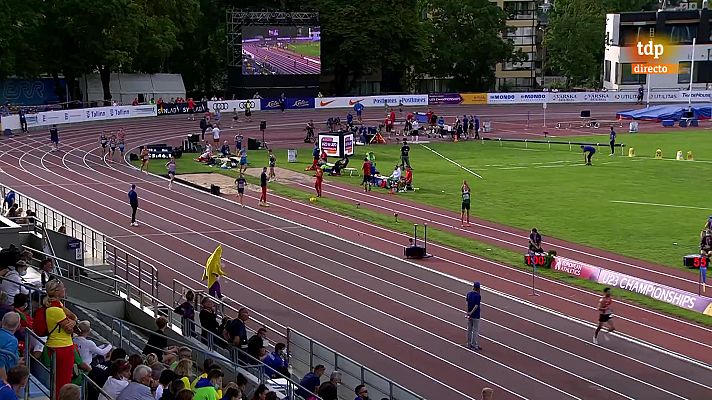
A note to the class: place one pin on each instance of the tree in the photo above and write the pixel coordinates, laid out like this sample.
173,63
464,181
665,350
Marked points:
574,39
468,42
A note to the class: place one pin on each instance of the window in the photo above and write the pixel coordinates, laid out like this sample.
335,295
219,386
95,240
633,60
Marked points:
522,36
526,64
626,76
520,9
682,33
703,72
515,84
607,71
630,35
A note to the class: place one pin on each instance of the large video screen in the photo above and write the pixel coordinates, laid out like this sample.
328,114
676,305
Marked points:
281,50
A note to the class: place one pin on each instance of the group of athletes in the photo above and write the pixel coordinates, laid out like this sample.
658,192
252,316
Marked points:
112,140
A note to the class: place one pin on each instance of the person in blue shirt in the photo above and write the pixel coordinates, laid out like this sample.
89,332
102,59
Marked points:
133,202
473,317
311,381
277,361
588,152
13,386
465,125
9,200
477,127
358,107
612,137
8,342
349,119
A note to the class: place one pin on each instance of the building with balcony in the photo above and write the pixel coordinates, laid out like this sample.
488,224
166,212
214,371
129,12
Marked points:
676,29
522,18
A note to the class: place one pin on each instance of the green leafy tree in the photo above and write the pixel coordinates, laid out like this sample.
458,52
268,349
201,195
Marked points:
468,42
574,39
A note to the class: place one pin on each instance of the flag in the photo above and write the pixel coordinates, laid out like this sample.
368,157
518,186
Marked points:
703,277
213,267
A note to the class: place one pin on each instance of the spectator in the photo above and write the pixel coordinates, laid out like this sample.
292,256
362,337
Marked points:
15,382
62,229
236,330
164,380
158,340
185,394
271,396
135,360
60,325
8,342
46,271
207,388
19,305
487,394
361,392
173,389
260,392
118,380
86,347
9,200
311,381
328,390
241,382
535,241
184,371
187,311
100,372
277,361
140,387
5,305
208,365
232,393
256,342
12,282
70,391
208,319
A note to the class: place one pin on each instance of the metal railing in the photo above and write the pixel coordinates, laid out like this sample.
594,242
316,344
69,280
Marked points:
306,353
137,281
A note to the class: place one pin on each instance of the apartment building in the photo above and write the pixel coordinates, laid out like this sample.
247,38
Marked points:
522,18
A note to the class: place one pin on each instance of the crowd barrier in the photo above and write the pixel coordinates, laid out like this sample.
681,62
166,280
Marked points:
294,103
667,294
47,118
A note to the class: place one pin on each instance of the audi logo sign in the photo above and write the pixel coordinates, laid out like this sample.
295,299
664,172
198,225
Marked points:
229,105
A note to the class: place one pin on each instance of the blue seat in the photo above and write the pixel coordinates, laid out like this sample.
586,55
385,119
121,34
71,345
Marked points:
668,123
683,123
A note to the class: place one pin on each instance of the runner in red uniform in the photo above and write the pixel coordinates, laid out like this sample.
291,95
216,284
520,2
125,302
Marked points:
319,180
605,314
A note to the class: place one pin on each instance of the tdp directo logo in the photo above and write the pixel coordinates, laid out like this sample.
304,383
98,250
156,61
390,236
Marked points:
653,57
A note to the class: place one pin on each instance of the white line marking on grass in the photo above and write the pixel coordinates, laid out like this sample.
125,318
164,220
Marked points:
642,203
513,168
454,162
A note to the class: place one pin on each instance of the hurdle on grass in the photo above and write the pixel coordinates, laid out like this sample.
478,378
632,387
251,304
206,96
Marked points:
550,142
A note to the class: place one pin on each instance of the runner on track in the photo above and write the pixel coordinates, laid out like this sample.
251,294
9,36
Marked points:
103,141
465,204
54,136
112,147
605,314
144,159
171,167
241,182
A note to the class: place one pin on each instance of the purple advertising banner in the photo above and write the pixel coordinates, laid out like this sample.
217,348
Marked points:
680,298
444,98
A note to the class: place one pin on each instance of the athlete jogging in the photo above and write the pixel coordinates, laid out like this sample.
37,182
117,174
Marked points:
605,314
112,147
241,182
465,204
171,167
272,164
144,159
103,141
54,136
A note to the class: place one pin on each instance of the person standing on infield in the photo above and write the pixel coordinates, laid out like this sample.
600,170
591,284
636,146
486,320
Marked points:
272,164
605,314
133,202
612,136
588,152
473,317
465,204
263,185
405,154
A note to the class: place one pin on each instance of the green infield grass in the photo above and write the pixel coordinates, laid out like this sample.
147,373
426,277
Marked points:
640,207
307,49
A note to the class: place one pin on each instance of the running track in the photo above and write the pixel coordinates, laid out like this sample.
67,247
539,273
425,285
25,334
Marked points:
402,319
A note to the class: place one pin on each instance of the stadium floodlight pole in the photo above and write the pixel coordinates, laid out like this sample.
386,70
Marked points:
692,75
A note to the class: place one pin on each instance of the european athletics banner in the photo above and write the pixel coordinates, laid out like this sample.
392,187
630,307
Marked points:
444,98
667,294
290,103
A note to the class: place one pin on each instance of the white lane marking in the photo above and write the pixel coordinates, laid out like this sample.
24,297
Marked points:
642,203
454,162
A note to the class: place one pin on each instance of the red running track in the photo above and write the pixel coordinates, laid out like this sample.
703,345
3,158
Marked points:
402,319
